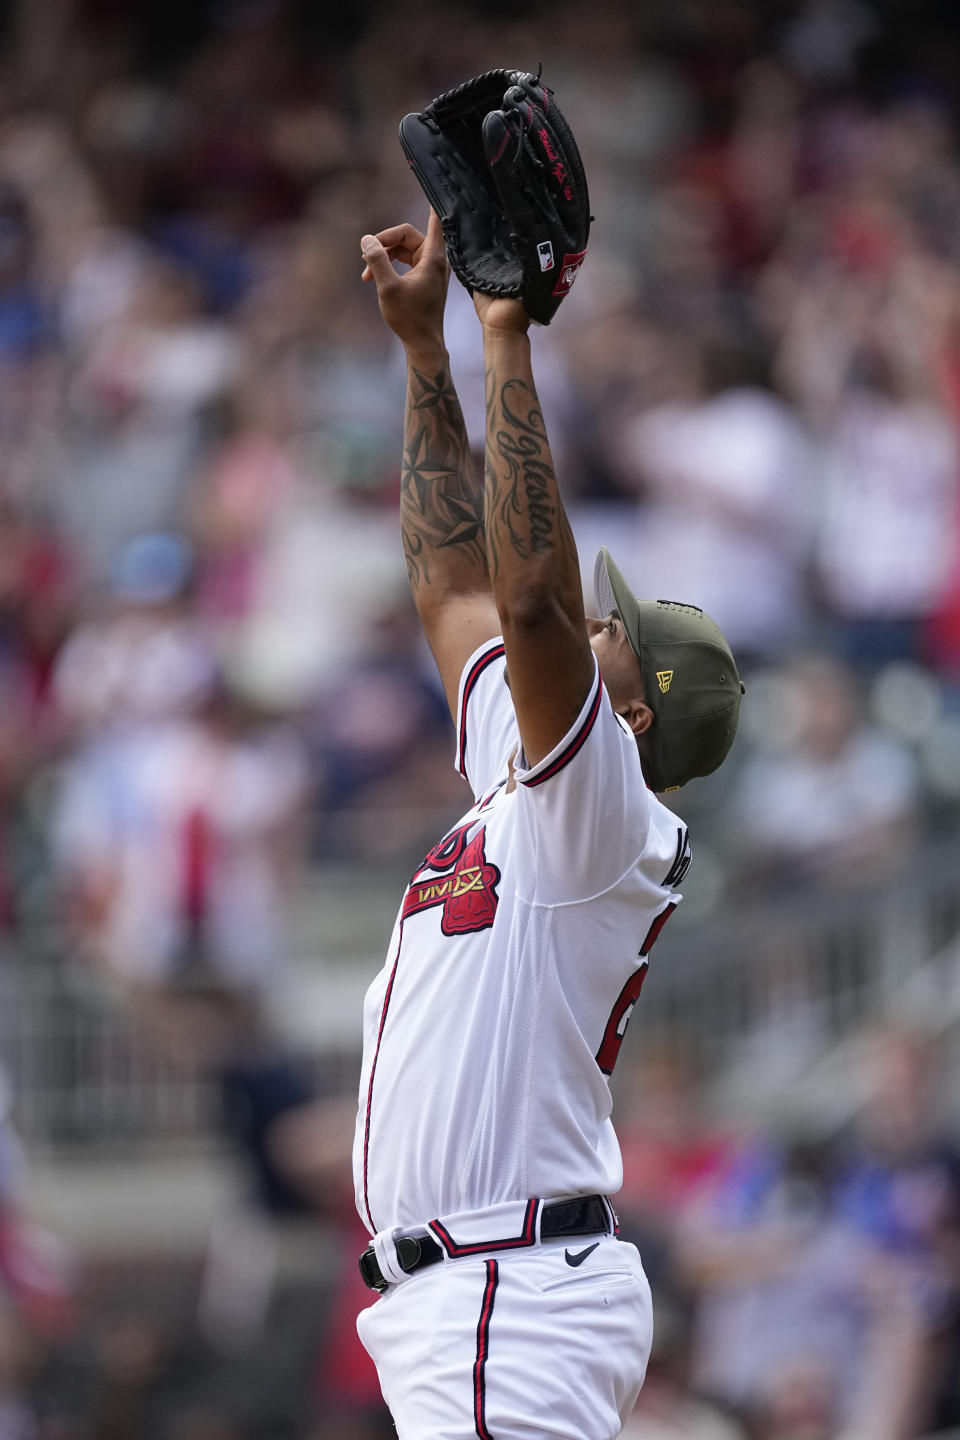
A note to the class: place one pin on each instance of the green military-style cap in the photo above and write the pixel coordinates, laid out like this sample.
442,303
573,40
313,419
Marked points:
690,680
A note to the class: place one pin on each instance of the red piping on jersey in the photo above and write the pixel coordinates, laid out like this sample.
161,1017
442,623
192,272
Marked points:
483,1348
608,1054
658,924
527,1237
576,743
476,670
373,1071
606,1057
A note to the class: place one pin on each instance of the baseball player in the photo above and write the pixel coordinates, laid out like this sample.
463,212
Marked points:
484,1154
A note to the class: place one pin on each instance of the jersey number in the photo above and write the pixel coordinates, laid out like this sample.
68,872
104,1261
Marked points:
681,860
609,1051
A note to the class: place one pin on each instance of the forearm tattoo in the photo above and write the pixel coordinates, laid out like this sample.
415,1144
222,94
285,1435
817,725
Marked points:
522,504
441,500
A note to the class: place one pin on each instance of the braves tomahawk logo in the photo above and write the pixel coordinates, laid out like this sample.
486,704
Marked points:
463,882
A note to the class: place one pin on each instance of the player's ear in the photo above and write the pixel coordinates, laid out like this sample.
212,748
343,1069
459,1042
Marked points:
638,716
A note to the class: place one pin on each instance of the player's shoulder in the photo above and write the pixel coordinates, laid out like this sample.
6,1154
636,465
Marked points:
667,853
485,721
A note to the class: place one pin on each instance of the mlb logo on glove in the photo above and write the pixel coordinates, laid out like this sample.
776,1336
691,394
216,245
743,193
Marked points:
545,251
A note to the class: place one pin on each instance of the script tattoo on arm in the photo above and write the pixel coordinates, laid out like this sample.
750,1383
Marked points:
523,510
441,499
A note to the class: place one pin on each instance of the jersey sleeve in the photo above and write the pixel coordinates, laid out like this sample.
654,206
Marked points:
487,731
587,815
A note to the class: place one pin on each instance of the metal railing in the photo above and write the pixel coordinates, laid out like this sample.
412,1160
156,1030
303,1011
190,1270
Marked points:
818,957
86,1066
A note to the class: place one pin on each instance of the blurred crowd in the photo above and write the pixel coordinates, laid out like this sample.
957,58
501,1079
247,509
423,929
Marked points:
214,680
806,1283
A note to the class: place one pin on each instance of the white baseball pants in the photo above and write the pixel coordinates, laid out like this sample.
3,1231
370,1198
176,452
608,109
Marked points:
545,1342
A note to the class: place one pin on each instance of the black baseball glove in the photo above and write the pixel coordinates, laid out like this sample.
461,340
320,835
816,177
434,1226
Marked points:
499,164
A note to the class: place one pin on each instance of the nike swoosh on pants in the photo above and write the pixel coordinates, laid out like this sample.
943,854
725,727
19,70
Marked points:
579,1258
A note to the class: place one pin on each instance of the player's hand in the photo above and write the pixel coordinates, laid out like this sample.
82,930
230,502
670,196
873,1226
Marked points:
498,315
412,304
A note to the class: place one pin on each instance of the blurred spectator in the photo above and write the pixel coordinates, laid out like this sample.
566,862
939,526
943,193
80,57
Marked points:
887,541
668,1409
670,1151
37,1282
25,322
176,814
19,1357
824,796
173,844
726,506
37,599
240,497
143,657
382,737
312,1146
139,405
899,1188
795,1325
867,311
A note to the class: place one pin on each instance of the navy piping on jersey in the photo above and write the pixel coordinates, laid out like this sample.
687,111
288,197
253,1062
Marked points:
527,1237
483,1349
373,1071
576,743
469,685
491,795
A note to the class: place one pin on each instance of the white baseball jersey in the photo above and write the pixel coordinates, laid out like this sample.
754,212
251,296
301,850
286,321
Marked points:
517,956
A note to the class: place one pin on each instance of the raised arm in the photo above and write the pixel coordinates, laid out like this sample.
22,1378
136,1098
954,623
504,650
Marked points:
441,503
531,552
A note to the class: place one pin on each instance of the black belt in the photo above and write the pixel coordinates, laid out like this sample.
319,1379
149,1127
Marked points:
584,1215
